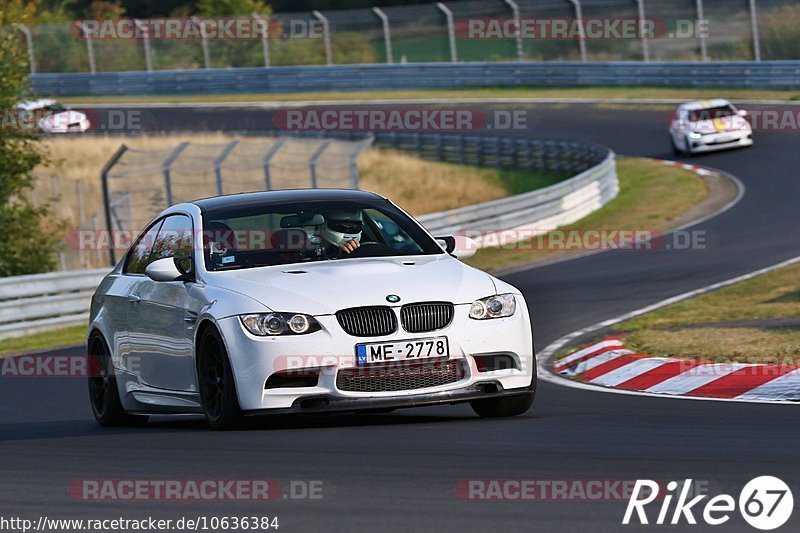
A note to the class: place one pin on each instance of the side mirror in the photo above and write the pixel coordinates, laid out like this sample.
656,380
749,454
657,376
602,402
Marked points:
458,246
165,270
742,113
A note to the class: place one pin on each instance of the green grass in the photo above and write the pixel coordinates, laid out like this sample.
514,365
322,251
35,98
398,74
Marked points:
651,196
669,93
521,181
57,338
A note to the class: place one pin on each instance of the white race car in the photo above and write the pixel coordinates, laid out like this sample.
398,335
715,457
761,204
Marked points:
708,125
49,116
302,301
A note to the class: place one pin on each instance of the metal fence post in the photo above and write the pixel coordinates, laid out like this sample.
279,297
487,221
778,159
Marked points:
312,162
518,37
218,164
754,26
268,159
203,41
148,55
582,35
387,35
165,168
107,198
703,44
326,35
264,37
451,31
89,48
29,40
645,44
359,149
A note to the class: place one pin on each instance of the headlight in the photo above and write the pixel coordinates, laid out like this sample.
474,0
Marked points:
498,306
271,324
695,135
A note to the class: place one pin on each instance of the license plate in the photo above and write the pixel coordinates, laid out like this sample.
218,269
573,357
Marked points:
408,350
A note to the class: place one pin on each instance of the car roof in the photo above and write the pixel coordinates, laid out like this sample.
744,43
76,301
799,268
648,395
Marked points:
252,199
30,105
704,104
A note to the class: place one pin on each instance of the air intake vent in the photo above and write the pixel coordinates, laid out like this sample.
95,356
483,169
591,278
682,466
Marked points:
429,316
368,321
396,378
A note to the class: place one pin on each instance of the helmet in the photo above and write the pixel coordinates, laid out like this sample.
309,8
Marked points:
341,226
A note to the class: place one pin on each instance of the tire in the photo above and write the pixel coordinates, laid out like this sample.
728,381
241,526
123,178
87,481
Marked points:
508,405
688,152
103,392
217,385
675,150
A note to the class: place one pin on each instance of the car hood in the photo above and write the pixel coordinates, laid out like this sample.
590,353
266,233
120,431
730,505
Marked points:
325,287
718,125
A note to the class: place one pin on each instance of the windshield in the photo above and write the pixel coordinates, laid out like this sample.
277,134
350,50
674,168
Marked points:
711,113
237,238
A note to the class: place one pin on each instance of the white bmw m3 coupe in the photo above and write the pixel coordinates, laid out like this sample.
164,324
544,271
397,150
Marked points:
302,301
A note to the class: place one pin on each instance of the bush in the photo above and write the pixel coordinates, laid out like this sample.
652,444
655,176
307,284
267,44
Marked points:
28,245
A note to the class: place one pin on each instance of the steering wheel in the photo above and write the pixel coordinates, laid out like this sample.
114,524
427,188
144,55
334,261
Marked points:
371,249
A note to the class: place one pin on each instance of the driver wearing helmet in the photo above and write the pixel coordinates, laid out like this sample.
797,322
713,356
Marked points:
342,231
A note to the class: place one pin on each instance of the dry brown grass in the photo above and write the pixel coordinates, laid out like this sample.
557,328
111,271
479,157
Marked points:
419,186
71,181
79,160
424,186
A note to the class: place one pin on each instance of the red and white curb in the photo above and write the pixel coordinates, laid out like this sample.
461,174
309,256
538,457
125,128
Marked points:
609,364
700,171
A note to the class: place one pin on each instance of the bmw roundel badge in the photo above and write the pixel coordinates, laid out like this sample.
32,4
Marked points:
393,298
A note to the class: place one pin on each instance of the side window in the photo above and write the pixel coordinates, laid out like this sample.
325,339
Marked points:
174,239
139,255
392,234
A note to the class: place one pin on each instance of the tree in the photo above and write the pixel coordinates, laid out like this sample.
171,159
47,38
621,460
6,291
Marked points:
27,239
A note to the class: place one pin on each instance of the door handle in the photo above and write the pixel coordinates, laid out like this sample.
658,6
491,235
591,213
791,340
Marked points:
134,299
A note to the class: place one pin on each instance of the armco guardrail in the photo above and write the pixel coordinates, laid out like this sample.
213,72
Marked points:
35,303
30,304
536,211
761,75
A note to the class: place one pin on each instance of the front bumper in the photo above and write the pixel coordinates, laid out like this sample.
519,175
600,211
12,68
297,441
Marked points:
334,404
330,350
720,141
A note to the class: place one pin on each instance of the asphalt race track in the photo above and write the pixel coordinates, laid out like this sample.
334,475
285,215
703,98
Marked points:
398,472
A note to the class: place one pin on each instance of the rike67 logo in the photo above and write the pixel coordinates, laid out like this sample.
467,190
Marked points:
765,503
